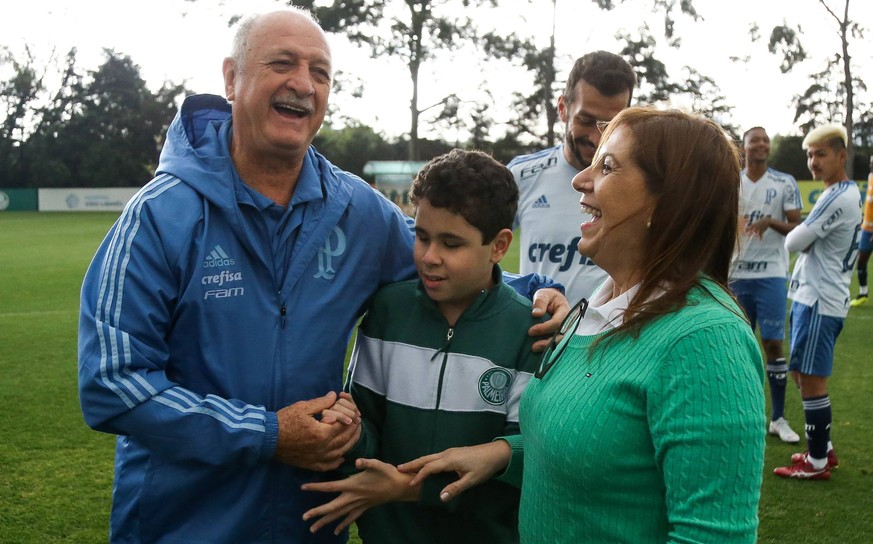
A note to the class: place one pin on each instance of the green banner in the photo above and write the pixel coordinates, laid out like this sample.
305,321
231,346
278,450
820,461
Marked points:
18,200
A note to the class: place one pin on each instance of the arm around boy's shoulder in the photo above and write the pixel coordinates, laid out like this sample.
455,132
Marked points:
388,232
516,317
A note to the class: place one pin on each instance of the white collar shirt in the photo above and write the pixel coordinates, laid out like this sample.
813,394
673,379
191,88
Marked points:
604,314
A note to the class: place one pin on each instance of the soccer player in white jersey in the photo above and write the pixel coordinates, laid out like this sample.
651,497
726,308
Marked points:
770,207
599,86
828,244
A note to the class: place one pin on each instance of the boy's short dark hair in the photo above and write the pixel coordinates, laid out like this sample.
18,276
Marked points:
472,184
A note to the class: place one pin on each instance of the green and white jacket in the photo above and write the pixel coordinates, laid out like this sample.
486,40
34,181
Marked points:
423,386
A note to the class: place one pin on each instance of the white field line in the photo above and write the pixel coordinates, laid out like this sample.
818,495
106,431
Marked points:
37,313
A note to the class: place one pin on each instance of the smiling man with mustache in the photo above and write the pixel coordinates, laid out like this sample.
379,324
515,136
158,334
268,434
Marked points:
599,86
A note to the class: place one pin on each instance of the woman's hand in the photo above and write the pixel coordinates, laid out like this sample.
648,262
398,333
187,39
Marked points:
377,483
472,464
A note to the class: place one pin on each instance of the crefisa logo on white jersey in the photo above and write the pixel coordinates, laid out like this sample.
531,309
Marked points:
220,284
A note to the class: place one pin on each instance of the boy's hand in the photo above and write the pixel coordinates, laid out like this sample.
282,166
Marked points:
377,483
553,302
343,411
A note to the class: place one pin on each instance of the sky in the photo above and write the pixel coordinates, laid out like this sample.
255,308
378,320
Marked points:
183,41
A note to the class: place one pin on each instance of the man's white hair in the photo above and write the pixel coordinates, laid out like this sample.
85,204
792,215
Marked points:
826,133
241,37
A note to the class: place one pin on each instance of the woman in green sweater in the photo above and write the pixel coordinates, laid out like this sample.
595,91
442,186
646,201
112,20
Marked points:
645,423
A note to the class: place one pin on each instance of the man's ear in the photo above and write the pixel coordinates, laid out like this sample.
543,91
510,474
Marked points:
228,68
500,245
562,109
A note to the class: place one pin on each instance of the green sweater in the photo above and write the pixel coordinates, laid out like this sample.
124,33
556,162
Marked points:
423,387
649,440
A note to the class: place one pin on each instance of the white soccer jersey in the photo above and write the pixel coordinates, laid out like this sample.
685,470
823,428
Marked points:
771,196
549,217
822,273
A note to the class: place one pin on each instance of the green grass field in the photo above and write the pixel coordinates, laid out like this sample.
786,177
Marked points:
56,474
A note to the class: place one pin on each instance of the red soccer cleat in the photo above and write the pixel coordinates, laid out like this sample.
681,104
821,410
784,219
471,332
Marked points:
833,462
803,470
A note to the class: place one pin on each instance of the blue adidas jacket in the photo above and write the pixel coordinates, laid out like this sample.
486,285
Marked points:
194,331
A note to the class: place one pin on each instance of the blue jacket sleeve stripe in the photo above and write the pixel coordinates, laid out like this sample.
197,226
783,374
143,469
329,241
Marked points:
219,414
104,374
117,376
116,363
188,402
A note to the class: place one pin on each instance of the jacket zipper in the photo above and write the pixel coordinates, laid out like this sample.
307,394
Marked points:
445,351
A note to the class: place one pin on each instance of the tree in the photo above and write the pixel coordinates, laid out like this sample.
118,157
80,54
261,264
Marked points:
693,89
787,155
705,98
352,146
103,132
412,30
101,129
30,108
531,107
17,96
822,101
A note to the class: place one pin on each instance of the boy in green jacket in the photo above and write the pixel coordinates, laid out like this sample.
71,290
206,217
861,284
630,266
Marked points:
439,362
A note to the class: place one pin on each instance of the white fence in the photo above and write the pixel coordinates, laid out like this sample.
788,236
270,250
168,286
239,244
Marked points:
85,200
